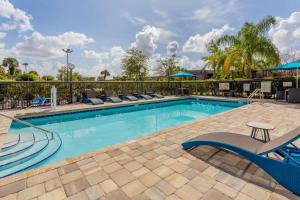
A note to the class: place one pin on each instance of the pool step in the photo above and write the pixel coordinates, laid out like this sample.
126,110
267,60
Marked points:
26,141
44,146
41,141
10,142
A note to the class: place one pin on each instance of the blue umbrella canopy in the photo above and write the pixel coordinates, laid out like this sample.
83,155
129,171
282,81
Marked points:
289,66
182,74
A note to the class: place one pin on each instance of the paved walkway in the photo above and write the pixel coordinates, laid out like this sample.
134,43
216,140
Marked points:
155,166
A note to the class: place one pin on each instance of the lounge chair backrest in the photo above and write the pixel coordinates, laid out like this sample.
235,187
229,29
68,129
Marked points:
90,94
150,91
109,93
124,91
280,142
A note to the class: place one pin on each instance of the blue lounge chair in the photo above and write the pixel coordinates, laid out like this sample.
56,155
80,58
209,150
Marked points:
152,94
109,96
38,101
286,171
142,96
125,96
89,96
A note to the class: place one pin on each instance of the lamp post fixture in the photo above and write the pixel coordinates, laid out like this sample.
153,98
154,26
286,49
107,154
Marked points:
71,67
67,51
25,65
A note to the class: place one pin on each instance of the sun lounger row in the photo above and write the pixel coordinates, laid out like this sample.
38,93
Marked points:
90,96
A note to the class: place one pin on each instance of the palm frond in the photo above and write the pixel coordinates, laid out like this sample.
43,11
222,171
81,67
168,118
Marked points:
226,40
231,58
265,24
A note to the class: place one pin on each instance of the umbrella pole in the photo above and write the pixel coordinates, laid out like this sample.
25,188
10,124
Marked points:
181,86
297,79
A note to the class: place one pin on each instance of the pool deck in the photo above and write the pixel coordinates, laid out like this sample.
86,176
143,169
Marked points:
155,166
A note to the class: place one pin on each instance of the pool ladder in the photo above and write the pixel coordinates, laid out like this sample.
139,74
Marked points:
255,93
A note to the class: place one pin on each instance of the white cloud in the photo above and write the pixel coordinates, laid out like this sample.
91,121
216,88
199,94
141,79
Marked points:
134,20
2,35
187,63
197,43
39,46
110,60
172,47
43,67
215,11
91,54
3,51
285,35
17,18
147,39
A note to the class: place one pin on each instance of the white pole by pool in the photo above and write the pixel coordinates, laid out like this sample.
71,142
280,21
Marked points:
53,97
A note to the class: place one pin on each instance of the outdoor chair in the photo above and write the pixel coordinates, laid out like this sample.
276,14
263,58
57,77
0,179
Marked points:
40,101
125,96
280,95
2,101
109,96
294,95
286,171
152,94
89,96
141,96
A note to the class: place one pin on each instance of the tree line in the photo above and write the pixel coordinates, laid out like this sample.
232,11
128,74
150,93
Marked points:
230,56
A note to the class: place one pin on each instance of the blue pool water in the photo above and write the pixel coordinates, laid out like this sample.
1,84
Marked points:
82,132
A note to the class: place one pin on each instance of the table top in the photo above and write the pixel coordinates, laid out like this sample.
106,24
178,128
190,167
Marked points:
260,125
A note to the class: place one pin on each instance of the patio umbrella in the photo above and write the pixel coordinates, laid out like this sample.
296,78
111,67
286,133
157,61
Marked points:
182,75
289,66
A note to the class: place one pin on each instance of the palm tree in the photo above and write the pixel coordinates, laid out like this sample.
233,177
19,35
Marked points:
215,59
249,46
12,65
105,73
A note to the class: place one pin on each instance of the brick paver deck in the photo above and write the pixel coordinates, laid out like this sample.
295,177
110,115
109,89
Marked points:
156,167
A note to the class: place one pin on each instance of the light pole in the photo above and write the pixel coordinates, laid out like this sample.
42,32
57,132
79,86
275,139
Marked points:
71,67
67,51
25,65
142,77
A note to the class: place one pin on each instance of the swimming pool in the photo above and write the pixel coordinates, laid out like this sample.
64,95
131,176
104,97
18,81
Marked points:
86,131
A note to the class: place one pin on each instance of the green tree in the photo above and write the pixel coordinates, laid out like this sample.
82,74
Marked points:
249,46
27,77
135,64
12,64
48,78
216,58
62,74
77,77
168,66
104,74
2,73
87,78
34,72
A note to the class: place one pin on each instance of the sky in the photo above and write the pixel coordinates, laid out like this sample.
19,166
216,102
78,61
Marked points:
101,31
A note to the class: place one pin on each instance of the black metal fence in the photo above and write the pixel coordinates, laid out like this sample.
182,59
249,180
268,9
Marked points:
19,94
